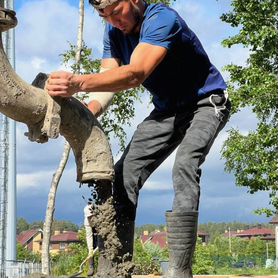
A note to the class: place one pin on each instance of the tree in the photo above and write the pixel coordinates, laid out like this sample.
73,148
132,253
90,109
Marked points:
21,225
58,174
26,255
253,157
202,261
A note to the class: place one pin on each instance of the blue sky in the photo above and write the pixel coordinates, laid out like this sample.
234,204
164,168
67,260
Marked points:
44,30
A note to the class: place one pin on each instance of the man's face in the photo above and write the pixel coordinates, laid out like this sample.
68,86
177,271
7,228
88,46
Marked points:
124,15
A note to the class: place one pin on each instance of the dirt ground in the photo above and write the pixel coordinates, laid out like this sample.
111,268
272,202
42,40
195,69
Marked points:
195,276
211,276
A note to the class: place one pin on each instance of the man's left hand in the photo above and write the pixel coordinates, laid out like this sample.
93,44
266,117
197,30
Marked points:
61,84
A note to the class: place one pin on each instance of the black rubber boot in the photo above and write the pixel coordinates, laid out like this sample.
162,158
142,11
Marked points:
121,266
181,236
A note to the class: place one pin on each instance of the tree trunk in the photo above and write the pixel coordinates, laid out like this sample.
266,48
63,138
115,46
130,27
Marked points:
25,103
58,174
50,210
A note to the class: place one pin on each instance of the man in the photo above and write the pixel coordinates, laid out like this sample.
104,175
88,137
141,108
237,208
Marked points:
152,45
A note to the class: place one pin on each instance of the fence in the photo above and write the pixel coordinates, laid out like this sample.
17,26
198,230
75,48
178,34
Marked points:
20,269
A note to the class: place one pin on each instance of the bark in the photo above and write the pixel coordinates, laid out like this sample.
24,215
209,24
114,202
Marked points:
49,215
25,103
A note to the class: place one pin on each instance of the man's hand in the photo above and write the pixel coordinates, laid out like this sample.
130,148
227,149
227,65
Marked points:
61,84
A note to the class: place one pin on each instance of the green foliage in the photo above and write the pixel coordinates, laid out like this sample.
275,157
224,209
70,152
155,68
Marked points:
253,157
21,225
149,228
202,262
67,263
226,254
147,257
23,254
62,225
36,225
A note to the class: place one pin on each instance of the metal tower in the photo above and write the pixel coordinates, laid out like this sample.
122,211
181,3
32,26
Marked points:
7,168
9,44
3,190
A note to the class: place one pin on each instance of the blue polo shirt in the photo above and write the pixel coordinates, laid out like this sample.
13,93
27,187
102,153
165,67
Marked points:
185,74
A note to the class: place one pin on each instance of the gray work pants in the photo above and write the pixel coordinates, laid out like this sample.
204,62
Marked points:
193,131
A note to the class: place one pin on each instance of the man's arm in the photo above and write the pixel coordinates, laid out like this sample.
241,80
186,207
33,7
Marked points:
145,58
98,102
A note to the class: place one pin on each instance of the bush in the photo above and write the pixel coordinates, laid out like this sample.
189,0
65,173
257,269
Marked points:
67,263
202,262
147,257
23,254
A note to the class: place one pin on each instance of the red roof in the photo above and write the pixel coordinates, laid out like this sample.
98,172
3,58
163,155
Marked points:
231,233
256,232
201,233
160,238
25,236
68,236
156,238
144,238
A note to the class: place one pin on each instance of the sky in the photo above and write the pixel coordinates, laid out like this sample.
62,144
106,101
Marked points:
44,31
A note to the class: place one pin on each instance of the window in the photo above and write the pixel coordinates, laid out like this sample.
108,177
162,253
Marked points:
62,246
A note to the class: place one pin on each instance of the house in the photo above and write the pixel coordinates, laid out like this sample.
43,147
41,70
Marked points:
160,238
203,236
60,241
31,239
263,233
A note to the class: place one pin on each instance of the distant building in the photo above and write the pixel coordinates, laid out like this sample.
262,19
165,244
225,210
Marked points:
203,236
160,238
263,233
31,239
59,242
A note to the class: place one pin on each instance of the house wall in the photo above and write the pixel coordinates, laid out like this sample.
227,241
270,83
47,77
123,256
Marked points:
36,243
59,247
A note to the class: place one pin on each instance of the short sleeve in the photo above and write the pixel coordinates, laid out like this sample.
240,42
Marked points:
109,47
161,28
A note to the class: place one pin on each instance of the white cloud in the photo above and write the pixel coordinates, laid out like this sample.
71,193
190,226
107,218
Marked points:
33,180
37,63
45,27
157,186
